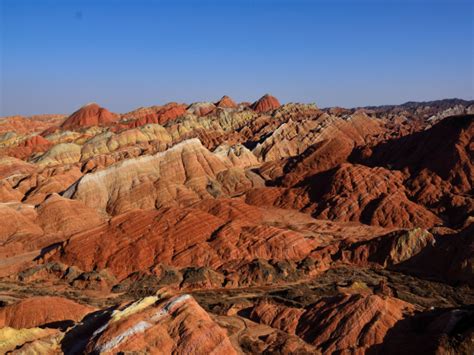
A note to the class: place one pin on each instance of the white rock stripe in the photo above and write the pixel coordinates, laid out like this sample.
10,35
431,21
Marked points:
141,326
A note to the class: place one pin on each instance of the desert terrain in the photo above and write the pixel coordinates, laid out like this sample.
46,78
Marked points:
238,228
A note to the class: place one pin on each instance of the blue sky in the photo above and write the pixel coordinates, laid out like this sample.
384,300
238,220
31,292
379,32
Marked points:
57,55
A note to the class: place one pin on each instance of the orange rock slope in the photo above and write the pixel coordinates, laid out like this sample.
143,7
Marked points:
216,227
89,115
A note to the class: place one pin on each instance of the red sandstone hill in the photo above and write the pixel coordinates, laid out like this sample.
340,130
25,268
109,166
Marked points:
226,102
89,115
444,149
265,103
155,114
38,311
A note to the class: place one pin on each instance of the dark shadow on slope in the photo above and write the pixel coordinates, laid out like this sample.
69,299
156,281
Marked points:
448,330
76,339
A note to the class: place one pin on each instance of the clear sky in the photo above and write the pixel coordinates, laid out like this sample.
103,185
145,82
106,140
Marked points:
58,55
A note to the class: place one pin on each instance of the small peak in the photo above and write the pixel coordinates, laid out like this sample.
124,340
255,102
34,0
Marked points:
201,108
266,103
226,102
90,104
88,115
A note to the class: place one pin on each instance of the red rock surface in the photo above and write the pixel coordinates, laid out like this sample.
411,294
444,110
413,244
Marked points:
158,114
266,103
214,242
201,108
89,115
343,323
370,195
226,102
40,311
12,166
361,323
31,145
58,214
154,114
177,325
34,141
25,125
